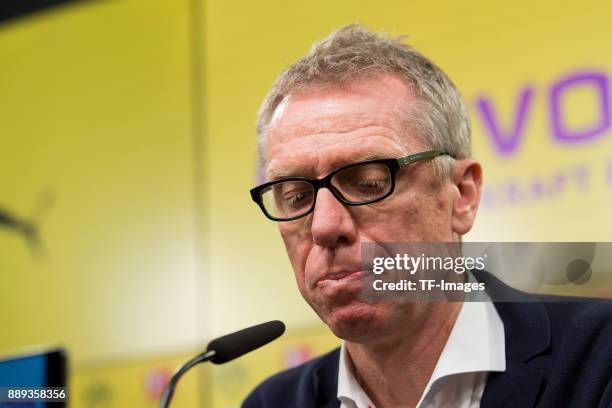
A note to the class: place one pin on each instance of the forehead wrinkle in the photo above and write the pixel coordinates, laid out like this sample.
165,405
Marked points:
319,162
341,123
296,136
338,109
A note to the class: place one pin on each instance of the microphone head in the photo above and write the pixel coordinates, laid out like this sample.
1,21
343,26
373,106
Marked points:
235,344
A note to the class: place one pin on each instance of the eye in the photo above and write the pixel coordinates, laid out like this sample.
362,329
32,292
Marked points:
363,182
296,196
372,185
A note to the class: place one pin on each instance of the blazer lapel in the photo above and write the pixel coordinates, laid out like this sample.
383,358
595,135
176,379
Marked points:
518,386
325,382
527,334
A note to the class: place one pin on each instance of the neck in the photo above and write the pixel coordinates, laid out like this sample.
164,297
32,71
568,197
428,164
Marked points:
395,370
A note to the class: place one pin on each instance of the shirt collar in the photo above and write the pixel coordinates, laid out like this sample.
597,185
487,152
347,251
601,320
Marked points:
349,390
476,344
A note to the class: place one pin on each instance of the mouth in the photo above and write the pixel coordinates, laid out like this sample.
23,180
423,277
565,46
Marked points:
340,278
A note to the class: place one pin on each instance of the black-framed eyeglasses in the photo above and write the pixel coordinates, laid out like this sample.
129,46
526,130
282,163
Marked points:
356,184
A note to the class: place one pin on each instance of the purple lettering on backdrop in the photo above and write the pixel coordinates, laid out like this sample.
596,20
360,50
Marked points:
597,80
506,142
537,188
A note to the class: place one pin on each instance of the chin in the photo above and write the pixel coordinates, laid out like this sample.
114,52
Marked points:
356,322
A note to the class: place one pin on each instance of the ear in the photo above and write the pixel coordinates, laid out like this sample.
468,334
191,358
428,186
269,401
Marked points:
467,179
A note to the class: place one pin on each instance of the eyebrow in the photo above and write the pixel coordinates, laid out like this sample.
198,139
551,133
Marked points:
278,174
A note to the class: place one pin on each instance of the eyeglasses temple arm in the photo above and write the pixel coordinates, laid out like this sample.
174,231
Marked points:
402,161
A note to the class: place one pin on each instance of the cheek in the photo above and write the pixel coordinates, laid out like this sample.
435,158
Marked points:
297,245
433,219
406,217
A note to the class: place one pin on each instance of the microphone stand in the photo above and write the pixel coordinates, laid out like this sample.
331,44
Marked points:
226,348
169,390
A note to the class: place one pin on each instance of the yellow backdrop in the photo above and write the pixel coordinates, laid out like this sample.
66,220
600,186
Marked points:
128,137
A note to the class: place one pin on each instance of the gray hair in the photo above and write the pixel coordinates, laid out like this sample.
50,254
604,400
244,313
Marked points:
438,115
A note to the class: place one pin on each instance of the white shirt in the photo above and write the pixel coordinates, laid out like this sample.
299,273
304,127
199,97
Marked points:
475,347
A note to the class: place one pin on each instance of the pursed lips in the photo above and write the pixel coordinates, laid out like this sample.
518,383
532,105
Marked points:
338,278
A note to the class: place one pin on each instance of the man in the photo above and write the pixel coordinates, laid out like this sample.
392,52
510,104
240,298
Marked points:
366,140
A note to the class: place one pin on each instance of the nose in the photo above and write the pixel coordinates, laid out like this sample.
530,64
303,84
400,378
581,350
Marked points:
332,223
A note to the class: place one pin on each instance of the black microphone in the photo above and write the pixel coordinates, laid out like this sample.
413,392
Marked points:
226,348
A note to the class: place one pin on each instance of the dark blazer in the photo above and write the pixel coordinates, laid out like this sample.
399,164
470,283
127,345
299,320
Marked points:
558,354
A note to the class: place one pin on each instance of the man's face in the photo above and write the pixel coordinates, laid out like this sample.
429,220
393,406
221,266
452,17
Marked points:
313,133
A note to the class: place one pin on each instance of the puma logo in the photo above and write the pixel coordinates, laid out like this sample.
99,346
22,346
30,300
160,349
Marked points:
29,227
